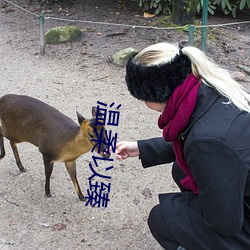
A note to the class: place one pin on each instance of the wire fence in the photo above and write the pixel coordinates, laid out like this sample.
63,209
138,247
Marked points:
191,28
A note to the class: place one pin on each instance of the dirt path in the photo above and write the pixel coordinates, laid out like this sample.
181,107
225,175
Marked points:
72,81
74,77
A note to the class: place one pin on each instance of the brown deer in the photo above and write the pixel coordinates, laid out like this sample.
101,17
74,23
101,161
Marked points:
59,138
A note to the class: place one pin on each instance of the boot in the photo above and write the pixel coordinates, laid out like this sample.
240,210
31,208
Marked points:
181,248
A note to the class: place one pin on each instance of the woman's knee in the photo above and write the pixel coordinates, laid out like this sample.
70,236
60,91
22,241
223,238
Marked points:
159,229
154,217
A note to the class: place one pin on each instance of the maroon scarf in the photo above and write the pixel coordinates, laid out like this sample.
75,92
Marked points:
174,119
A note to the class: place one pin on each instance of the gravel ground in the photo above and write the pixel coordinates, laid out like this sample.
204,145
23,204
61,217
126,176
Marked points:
74,77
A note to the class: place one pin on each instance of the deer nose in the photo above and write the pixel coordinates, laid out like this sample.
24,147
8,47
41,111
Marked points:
105,155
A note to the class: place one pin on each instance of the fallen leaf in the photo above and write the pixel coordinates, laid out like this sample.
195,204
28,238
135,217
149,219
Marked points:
146,192
58,227
44,225
147,15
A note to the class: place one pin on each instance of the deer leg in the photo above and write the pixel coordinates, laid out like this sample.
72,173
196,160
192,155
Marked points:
1,144
18,161
2,147
48,165
71,168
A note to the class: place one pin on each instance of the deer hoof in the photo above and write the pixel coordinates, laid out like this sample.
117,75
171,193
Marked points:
82,198
48,195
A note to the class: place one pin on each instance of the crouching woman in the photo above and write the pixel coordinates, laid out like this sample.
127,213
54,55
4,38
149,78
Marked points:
205,122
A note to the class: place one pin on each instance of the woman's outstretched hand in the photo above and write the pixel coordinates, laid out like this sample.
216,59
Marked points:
125,149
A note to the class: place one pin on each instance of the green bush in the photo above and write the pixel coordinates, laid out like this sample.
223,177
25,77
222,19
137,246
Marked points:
47,1
232,6
165,6
156,6
211,7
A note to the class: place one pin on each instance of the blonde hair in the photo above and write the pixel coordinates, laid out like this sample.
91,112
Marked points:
202,67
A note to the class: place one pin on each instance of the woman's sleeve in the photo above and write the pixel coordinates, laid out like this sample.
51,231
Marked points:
155,151
220,173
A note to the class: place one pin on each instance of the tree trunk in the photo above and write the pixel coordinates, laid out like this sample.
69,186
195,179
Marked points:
183,11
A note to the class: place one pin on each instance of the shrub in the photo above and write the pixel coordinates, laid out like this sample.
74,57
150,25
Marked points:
165,6
47,1
157,6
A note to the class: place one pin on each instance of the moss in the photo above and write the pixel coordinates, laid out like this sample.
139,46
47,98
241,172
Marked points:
163,22
121,58
63,34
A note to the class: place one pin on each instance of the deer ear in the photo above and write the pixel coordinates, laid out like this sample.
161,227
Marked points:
80,118
94,111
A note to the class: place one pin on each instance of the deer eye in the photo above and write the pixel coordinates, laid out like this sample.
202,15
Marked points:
91,136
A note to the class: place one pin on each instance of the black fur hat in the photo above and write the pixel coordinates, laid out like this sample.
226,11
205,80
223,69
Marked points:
156,83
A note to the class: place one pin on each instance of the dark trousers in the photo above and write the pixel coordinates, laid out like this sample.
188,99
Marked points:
156,222
179,221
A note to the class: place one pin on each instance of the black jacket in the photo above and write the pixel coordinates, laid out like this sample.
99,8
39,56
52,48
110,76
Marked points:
216,145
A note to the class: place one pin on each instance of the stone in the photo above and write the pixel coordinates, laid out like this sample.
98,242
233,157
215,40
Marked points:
63,34
239,76
244,68
2,3
121,58
147,193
